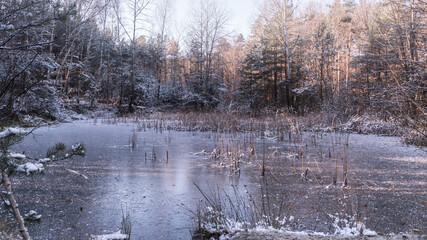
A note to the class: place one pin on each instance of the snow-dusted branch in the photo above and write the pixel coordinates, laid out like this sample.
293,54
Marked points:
12,131
11,162
28,165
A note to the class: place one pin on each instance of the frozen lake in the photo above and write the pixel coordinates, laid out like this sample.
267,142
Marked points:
154,181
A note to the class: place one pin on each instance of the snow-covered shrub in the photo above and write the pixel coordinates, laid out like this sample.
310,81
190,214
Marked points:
172,93
418,138
42,101
368,124
146,89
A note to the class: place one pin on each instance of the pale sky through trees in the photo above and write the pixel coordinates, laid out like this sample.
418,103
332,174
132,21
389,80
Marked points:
242,13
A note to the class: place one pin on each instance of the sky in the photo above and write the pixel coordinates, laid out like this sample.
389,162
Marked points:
242,13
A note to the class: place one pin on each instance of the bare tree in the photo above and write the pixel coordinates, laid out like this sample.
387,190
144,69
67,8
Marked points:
83,13
207,26
163,13
137,10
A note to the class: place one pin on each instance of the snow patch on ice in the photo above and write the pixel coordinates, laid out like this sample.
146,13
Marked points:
113,236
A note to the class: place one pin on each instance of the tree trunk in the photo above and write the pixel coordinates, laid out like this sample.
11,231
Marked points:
18,217
132,93
347,67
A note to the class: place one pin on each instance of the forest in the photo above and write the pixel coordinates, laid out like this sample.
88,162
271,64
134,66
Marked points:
350,58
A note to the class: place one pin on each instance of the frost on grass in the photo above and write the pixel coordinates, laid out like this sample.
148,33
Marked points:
228,226
350,227
113,236
371,125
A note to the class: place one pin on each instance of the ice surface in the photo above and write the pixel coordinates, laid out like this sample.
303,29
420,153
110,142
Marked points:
156,190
